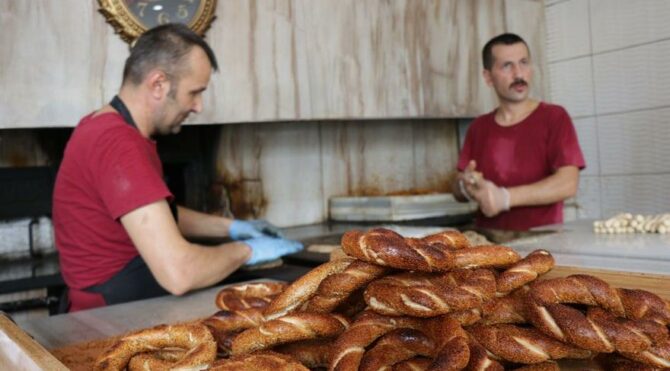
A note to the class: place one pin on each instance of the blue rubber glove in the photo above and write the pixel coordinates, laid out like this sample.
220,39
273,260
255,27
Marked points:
245,229
265,249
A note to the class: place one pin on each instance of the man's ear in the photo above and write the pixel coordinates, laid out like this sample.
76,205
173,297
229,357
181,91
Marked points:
487,77
157,83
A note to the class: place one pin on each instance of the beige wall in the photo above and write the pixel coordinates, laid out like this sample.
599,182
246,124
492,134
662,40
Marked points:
286,172
608,65
281,60
292,61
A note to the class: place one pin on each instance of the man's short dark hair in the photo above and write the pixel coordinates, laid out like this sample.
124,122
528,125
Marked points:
503,39
164,47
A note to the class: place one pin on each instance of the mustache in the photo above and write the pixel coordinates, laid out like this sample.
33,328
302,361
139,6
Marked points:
518,82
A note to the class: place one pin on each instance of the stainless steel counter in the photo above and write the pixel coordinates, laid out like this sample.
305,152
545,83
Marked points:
575,244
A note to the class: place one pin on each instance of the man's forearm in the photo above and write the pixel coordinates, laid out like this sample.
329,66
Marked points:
204,266
554,188
196,224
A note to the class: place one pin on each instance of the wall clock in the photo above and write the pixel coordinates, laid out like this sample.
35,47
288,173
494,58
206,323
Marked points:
131,18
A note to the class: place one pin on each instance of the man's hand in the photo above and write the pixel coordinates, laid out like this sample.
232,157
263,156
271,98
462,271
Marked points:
492,199
242,230
265,249
469,180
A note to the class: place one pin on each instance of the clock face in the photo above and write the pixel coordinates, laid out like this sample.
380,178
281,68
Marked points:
132,18
151,13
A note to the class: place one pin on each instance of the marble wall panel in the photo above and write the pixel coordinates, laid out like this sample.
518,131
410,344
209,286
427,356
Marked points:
621,23
281,60
635,142
572,86
286,172
633,78
272,171
51,62
643,194
567,30
374,158
435,153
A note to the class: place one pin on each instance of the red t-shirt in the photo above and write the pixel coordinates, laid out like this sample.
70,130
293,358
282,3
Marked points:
521,154
108,170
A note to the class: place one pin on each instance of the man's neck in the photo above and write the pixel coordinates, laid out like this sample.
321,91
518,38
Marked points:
138,109
512,113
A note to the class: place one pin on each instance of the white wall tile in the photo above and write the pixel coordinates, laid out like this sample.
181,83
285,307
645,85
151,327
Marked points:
588,197
622,23
571,86
635,142
644,194
587,133
632,79
568,30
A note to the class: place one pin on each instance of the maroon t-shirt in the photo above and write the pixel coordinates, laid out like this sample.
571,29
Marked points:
108,170
521,154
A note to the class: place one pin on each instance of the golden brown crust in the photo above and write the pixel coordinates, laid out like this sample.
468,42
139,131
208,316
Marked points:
231,321
657,355
413,364
506,309
302,289
614,362
387,248
523,345
525,271
396,346
480,358
314,353
337,287
544,366
453,240
258,361
248,295
350,347
492,256
546,311
430,295
194,337
286,329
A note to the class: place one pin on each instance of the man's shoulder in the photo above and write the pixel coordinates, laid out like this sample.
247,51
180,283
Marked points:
104,128
484,119
552,109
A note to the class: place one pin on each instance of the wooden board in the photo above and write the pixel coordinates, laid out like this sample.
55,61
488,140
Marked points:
18,351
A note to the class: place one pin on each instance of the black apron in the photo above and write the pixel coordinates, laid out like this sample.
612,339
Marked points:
135,281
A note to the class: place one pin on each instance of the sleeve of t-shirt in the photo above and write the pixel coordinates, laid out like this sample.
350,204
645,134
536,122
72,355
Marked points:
125,174
564,149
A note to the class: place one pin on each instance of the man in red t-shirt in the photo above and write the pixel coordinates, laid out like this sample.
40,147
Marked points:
117,235
522,160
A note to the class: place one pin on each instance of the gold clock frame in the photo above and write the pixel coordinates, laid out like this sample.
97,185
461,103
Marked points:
129,28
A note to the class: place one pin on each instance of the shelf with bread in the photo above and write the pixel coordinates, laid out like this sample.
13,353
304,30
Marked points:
395,301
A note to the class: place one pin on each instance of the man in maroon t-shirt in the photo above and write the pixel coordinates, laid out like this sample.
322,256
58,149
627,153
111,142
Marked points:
522,160
117,237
